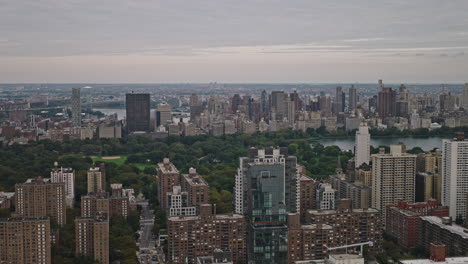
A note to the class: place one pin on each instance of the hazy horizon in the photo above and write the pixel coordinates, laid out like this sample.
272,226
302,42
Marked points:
258,41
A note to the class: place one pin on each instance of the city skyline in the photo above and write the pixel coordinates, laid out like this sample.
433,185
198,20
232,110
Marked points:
303,41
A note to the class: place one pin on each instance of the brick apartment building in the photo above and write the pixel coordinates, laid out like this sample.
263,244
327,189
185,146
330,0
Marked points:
40,197
25,240
404,220
190,237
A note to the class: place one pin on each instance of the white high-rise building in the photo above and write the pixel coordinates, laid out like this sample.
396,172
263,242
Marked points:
362,146
67,176
455,175
415,121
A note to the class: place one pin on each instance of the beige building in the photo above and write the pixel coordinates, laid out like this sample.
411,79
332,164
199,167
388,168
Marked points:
110,130
97,179
25,241
92,238
393,178
41,198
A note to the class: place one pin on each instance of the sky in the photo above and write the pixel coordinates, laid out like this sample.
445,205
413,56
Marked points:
285,41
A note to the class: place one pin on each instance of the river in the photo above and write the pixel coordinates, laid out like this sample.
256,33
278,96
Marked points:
426,143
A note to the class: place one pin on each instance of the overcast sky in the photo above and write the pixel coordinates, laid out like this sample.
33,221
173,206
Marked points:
313,41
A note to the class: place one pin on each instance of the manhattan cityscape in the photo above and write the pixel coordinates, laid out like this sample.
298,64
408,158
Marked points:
302,132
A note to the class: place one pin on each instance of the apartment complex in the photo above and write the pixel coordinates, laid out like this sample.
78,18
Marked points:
394,176
266,190
196,188
309,241
168,177
97,179
404,220
25,241
102,204
351,225
40,197
455,175
190,237
67,176
443,231
307,194
92,238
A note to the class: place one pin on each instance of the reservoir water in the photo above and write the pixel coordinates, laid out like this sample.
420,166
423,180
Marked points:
426,143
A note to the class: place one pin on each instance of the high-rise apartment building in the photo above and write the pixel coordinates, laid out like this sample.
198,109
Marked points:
190,237
351,225
25,241
76,107
138,112
92,238
340,100
101,204
386,102
40,197
168,176
196,188
97,179
353,98
163,115
307,194
455,175
465,97
266,190
393,177
278,104
67,176
362,146
309,241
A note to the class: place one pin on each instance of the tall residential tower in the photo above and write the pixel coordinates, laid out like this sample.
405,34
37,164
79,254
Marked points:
455,175
266,190
362,146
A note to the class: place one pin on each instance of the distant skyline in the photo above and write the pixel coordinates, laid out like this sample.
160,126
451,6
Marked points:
255,41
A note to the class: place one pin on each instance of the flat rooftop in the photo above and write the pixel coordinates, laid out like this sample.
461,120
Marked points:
195,180
167,167
454,260
453,228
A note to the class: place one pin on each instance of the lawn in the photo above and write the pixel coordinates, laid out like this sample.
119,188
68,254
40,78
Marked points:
119,160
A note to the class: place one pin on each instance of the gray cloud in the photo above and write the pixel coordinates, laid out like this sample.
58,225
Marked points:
207,31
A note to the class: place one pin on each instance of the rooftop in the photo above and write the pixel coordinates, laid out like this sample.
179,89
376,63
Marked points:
453,228
326,212
167,167
455,260
217,217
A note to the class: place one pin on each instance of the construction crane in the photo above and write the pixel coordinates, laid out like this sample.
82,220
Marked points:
370,243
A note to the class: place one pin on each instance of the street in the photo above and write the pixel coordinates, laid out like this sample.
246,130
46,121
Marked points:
149,253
